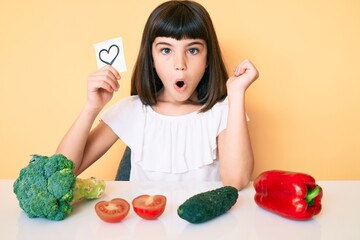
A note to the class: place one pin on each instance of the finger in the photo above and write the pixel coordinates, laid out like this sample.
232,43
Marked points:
109,75
113,83
240,69
98,85
109,72
106,73
243,67
112,70
250,68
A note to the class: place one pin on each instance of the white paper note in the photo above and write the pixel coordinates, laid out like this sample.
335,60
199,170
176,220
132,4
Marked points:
111,52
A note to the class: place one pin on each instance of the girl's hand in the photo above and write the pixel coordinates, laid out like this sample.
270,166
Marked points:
244,75
101,86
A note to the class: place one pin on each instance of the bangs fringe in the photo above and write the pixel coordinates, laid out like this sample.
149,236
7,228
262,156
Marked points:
180,22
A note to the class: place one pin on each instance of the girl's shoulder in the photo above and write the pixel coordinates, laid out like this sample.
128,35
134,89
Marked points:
125,108
128,103
220,106
222,103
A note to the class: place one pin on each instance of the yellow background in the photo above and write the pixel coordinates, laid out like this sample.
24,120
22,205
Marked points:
304,108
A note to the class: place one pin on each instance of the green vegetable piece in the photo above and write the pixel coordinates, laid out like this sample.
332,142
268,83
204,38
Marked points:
208,205
91,188
48,188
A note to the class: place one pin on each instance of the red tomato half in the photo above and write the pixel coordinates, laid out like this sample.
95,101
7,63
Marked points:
149,207
112,211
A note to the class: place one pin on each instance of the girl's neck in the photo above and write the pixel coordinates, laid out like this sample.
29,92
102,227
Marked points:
175,108
169,107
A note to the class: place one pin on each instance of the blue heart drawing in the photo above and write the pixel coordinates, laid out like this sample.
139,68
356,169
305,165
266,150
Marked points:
107,51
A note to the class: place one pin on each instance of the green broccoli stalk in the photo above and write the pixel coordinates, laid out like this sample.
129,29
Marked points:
88,189
48,188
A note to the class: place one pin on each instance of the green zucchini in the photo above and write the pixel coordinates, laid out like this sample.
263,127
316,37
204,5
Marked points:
208,205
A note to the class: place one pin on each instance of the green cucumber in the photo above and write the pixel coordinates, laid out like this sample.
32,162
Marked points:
208,205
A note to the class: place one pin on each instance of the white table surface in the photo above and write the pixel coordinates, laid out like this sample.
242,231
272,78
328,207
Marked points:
339,219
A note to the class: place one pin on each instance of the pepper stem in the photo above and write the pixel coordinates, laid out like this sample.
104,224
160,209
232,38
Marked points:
312,194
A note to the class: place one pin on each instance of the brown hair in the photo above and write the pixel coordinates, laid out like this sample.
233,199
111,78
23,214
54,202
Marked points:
180,20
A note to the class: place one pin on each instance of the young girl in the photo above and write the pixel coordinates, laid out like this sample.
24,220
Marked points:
185,120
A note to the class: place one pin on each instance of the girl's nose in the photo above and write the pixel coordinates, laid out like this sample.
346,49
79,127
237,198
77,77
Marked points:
181,68
180,63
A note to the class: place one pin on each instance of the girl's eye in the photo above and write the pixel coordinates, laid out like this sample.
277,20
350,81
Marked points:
193,51
165,51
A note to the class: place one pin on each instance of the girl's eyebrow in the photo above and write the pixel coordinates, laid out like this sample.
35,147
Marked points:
188,45
163,43
195,43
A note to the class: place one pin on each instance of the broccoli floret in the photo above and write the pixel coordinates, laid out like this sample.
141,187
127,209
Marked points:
48,188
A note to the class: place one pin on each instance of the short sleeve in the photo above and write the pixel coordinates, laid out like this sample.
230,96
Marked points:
126,119
221,110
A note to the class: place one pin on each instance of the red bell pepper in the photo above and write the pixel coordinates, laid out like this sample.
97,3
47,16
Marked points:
288,194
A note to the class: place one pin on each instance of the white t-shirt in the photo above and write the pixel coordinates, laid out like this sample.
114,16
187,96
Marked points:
168,148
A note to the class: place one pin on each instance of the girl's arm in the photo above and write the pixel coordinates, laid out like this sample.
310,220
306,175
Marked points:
235,151
80,144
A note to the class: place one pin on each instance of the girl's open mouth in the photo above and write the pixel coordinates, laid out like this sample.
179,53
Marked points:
180,84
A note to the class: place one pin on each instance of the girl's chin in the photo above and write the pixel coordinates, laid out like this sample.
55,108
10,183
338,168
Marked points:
177,96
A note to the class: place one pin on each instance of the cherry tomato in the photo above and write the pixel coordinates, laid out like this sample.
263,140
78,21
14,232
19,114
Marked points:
149,207
112,211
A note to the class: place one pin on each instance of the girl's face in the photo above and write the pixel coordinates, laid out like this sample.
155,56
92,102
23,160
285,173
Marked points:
180,65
